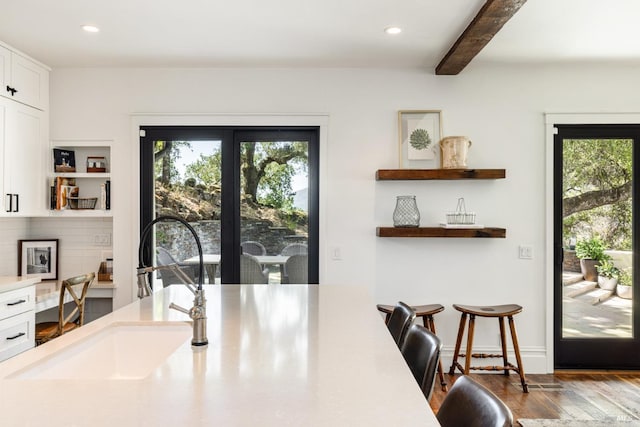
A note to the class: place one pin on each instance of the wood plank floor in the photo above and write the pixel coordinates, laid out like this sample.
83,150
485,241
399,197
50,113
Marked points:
606,396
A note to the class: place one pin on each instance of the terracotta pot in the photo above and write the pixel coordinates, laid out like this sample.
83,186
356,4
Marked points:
588,269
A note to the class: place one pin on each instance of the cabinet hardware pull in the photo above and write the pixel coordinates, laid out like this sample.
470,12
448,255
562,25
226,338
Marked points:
10,200
12,90
21,301
16,336
17,202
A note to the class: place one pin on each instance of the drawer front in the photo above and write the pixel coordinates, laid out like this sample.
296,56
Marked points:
17,301
17,334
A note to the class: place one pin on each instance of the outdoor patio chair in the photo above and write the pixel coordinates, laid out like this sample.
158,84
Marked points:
253,248
296,269
169,277
251,272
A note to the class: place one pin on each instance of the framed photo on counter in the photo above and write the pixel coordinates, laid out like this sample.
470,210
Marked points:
38,258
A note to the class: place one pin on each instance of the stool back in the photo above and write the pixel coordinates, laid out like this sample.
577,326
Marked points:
421,350
401,318
470,404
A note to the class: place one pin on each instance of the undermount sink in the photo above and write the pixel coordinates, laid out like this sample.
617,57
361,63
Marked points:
126,351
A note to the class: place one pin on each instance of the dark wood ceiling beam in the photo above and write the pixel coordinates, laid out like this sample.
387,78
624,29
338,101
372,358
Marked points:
493,15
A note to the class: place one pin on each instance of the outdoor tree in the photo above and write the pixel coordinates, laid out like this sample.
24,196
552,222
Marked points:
165,155
257,160
267,170
597,183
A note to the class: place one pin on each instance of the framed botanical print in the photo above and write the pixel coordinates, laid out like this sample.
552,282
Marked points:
419,133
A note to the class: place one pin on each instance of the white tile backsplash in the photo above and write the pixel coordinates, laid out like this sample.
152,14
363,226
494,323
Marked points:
78,252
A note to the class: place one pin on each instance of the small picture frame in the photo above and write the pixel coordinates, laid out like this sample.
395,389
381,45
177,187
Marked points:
419,133
38,258
96,164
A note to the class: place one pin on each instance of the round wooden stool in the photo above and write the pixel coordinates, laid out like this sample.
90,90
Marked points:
499,311
426,312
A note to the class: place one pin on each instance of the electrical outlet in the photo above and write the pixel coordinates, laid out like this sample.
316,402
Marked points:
102,239
336,253
525,252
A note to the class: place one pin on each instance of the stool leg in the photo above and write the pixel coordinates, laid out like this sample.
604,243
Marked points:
468,352
516,348
456,352
503,342
428,323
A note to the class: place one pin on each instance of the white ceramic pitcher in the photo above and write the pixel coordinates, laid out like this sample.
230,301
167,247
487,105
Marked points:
453,151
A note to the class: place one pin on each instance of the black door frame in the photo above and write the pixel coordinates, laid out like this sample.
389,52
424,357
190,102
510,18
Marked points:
593,353
230,210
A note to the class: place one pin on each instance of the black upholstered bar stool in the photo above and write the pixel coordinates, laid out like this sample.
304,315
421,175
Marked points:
499,311
426,312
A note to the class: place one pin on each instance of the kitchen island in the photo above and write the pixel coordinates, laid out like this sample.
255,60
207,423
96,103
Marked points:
298,355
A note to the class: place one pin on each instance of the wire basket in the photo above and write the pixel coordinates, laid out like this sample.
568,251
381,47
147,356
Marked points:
82,202
461,216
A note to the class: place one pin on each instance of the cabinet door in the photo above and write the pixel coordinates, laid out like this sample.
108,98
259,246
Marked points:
5,69
31,82
23,160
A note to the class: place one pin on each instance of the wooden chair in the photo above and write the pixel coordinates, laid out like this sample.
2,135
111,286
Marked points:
46,331
470,404
399,321
421,350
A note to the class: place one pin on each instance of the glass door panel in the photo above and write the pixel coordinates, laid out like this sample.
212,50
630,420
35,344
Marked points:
597,234
596,322
187,184
274,211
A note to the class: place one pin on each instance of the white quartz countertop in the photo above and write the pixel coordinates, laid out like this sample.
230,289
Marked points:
294,355
9,283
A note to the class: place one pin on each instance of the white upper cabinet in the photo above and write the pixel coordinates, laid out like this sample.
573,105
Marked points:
23,79
25,129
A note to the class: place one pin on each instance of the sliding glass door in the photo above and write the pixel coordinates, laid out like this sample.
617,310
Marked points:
250,193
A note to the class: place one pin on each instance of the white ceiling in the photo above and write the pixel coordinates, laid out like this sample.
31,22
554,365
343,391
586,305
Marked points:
309,33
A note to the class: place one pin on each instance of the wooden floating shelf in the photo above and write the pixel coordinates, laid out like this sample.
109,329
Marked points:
487,232
426,174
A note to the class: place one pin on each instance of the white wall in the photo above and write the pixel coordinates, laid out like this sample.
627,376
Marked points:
499,107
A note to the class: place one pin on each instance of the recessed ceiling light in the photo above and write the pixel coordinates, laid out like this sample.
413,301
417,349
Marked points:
393,30
90,28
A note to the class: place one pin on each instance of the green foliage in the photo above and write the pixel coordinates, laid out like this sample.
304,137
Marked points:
274,188
420,139
606,268
626,278
591,165
206,170
166,153
592,248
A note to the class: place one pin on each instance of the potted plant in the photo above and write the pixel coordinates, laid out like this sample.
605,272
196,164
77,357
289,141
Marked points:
624,289
608,275
591,253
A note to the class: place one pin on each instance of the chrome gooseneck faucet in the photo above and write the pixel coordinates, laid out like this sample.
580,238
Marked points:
197,313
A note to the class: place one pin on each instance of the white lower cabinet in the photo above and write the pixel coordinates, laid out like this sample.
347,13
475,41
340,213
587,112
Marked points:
17,321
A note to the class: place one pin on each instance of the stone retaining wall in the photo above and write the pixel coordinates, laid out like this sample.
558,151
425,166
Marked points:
178,240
